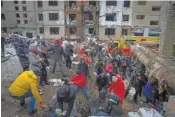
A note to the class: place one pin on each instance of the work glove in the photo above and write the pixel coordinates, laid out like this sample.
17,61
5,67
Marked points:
42,105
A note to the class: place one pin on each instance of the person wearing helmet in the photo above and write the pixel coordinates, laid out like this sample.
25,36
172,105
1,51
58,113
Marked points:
111,107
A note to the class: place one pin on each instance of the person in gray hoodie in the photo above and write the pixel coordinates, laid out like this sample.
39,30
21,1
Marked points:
34,59
57,57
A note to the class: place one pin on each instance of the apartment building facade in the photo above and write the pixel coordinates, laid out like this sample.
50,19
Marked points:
31,18
115,19
146,18
105,19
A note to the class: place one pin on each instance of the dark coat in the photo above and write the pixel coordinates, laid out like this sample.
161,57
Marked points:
58,52
66,94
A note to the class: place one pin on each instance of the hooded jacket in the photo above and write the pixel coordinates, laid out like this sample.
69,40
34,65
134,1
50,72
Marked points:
68,95
83,67
34,58
58,52
118,88
79,80
26,81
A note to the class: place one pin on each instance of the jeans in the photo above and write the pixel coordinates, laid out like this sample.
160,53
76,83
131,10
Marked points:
22,100
83,90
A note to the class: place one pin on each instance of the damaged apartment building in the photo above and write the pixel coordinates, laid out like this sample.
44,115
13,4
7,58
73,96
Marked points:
75,19
115,19
81,18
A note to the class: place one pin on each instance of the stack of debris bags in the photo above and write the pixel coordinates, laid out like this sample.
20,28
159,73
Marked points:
145,112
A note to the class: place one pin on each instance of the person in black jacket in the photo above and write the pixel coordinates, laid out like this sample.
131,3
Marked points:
66,94
111,107
83,67
102,81
23,50
44,64
69,53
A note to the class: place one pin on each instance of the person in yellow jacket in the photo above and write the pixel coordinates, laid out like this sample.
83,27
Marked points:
26,85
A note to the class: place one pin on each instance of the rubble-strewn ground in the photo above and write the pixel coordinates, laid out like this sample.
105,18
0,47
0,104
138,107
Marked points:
11,108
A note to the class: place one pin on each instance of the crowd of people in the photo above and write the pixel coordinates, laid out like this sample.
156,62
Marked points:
110,75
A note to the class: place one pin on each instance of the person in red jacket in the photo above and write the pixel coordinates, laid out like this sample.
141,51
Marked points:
117,87
79,82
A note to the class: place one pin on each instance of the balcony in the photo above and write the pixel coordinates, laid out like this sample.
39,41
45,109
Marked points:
91,8
89,22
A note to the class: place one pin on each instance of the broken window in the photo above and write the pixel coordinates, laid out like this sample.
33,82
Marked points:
154,22
2,16
16,8
40,17
124,31
138,34
111,3
90,16
53,3
109,31
24,8
72,17
17,15
53,16
54,30
127,4
140,17
125,17
93,3
40,3
111,17
91,31
41,30
18,22
142,2
156,8
72,30
72,3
